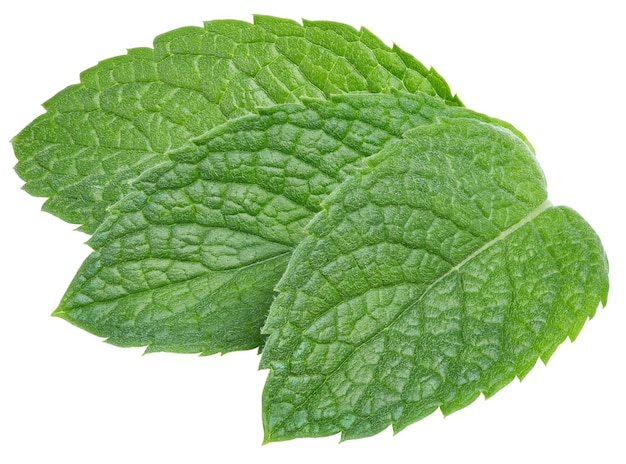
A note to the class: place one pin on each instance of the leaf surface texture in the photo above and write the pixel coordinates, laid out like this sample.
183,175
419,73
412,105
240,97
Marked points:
130,111
189,262
306,189
439,273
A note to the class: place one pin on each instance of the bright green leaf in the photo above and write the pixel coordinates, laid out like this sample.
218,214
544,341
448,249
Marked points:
130,111
189,262
438,273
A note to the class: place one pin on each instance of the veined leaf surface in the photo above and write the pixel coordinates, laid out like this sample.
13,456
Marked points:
128,112
189,262
439,273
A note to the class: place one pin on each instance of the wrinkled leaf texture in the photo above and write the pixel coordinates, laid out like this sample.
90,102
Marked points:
429,266
189,262
130,111
438,273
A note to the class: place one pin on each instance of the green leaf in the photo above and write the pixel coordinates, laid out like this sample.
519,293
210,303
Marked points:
130,111
189,262
438,273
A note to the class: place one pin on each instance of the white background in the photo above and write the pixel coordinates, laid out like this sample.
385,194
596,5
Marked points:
555,70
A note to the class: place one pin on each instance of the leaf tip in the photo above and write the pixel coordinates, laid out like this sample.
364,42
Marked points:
267,438
60,313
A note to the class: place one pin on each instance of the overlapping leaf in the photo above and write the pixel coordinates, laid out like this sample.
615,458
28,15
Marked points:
428,268
439,273
189,262
128,112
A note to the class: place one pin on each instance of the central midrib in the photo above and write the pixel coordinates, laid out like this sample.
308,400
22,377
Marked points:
503,235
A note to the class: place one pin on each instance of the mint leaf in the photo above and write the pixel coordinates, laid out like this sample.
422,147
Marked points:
438,273
189,262
130,111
